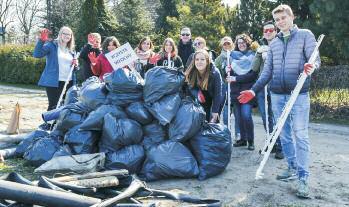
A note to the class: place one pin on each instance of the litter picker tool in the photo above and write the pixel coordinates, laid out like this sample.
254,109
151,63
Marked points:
76,56
287,109
228,94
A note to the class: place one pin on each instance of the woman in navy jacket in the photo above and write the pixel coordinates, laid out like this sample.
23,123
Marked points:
242,78
59,55
205,77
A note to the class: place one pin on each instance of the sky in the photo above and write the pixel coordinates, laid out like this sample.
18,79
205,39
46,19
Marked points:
231,2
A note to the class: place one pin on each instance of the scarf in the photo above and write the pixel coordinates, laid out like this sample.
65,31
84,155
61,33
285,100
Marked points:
242,61
143,55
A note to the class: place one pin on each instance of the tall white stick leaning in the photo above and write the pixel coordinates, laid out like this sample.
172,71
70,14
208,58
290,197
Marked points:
66,82
287,109
228,94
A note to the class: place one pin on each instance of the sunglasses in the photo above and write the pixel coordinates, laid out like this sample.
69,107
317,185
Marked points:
271,30
185,34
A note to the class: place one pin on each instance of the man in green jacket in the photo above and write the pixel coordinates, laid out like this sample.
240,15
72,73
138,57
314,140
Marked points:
269,33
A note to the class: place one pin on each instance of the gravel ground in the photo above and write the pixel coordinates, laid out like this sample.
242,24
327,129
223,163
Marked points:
236,186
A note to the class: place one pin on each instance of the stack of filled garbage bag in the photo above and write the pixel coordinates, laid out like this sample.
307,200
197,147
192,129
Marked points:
149,127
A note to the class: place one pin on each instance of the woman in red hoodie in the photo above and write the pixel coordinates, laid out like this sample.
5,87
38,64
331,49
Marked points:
100,65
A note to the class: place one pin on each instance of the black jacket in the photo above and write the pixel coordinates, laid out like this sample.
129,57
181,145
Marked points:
243,82
185,50
86,63
177,61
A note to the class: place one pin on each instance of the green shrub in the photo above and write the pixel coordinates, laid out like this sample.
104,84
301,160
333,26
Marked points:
17,64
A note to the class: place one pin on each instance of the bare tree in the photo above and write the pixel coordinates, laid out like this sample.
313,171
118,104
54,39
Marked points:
28,14
6,16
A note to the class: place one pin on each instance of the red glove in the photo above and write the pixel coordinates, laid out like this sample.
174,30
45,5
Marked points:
154,59
93,58
246,96
201,97
90,39
44,35
308,68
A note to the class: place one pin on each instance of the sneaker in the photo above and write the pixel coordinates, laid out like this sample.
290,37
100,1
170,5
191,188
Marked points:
302,189
287,175
240,143
279,155
250,146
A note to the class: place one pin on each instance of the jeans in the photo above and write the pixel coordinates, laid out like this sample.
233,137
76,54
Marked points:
297,150
261,107
244,116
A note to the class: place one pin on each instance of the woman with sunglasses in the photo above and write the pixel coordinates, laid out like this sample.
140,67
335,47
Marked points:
221,63
100,64
200,44
242,78
144,51
202,76
60,58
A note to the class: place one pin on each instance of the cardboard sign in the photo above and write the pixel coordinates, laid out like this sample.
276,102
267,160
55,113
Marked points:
122,56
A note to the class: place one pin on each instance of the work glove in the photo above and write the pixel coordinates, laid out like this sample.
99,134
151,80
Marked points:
246,96
93,58
44,35
2,159
154,59
75,62
309,68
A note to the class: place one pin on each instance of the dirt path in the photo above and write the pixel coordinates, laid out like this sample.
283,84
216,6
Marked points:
236,186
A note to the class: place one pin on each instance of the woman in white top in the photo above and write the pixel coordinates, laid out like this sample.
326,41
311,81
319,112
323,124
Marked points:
60,58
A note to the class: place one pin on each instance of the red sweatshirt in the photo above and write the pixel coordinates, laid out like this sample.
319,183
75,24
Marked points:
102,66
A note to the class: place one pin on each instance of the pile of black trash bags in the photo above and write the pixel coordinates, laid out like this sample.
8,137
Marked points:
148,127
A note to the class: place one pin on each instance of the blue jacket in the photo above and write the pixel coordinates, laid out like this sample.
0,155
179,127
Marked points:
50,75
284,62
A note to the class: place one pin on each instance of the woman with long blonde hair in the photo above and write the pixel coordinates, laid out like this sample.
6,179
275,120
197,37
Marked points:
60,57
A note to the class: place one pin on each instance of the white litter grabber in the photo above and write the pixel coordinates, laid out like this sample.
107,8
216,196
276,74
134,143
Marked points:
228,95
287,109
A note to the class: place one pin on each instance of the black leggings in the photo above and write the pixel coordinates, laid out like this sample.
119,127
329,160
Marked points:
53,94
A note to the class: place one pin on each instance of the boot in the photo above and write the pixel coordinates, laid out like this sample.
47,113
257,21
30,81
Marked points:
240,143
250,145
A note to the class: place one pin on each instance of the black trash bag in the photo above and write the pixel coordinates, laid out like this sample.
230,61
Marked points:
73,114
82,142
212,149
92,93
118,133
161,81
129,157
95,119
28,140
42,150
165,109
72,95
187,122
137,111
63,150
121,82
123,99
154,134
167,160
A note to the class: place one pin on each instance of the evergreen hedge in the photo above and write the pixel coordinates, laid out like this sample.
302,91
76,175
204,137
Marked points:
17,64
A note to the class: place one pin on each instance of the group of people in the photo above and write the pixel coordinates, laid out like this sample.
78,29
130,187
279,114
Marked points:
270,72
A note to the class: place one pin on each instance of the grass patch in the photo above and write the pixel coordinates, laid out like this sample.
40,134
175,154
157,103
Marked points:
20,166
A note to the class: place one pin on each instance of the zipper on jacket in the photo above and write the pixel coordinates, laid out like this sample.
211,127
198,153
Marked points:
283,85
